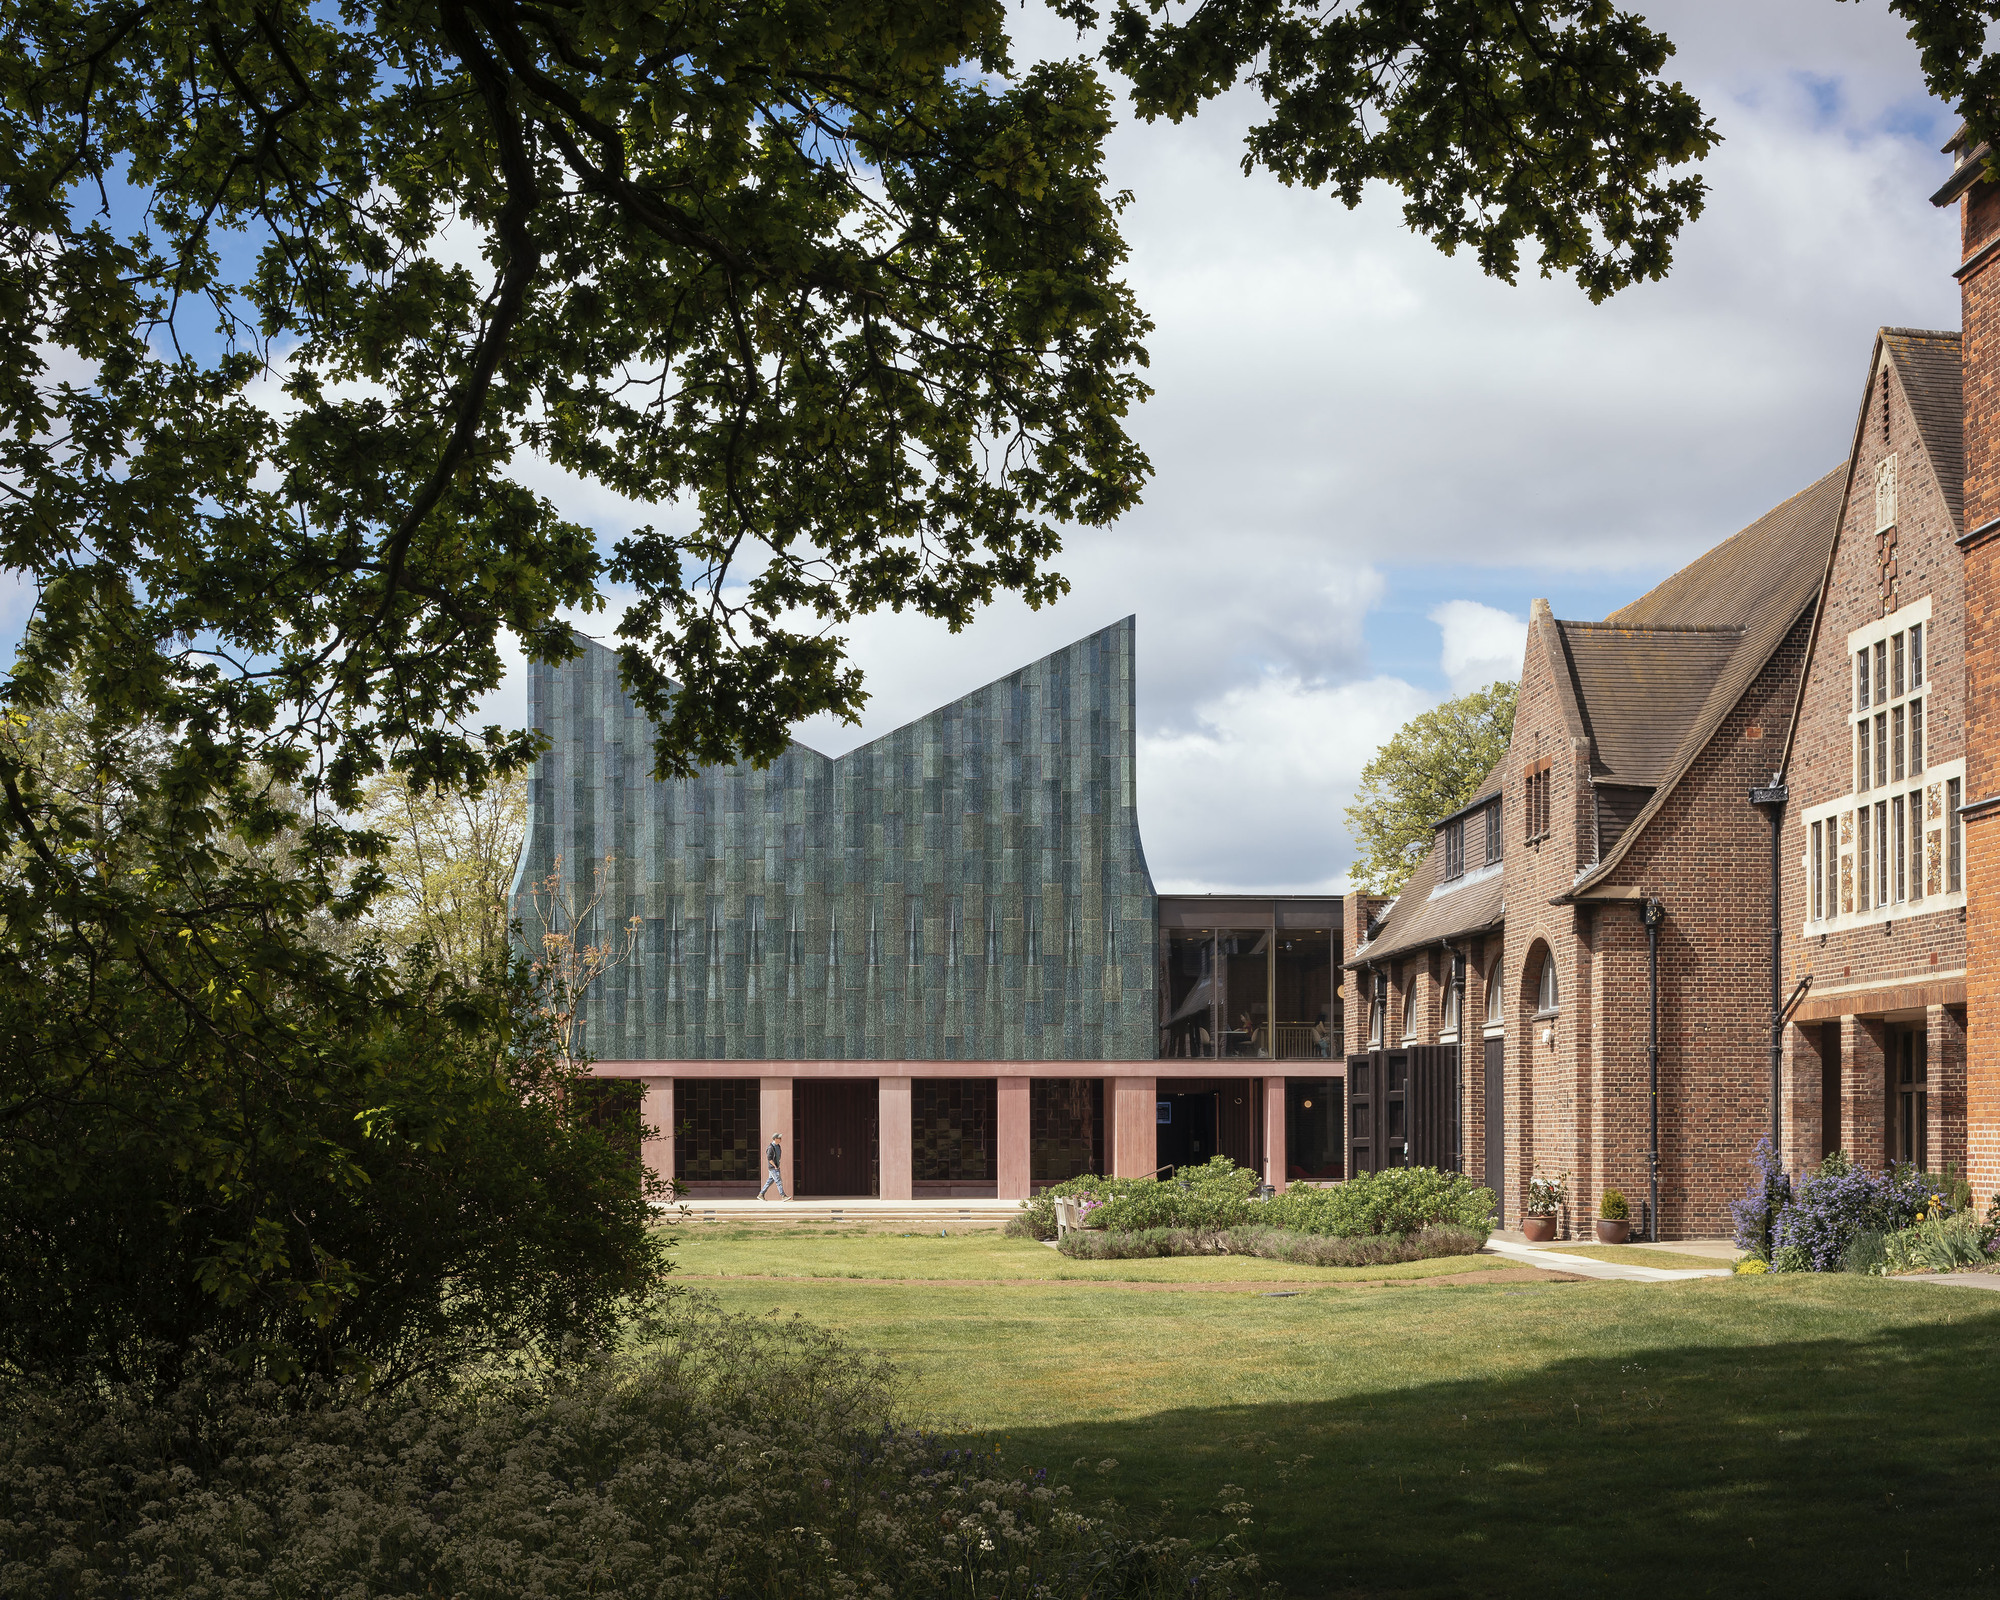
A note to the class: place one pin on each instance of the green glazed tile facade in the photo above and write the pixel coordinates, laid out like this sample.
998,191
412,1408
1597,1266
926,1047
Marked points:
969,887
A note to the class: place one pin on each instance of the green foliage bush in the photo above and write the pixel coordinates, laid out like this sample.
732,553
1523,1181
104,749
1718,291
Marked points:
390,1177
1216,1195
1938,1244
1613,1206
1395,1200
726,1456
1276,1244
1864,1252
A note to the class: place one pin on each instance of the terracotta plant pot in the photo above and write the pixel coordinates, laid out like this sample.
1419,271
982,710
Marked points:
1610,1232
1539,1229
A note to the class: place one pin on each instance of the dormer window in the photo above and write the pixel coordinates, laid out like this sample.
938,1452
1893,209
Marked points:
1454,849
1493,845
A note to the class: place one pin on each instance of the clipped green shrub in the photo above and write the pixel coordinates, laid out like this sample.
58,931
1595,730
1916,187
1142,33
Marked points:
1276,1244
1216,1195
1396,1200
735,1456
1613,1206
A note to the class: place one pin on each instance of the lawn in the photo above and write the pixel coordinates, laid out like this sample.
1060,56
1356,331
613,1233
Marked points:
1828,1436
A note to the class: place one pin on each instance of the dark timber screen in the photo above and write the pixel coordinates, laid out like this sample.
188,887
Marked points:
1496,1121
1404,1109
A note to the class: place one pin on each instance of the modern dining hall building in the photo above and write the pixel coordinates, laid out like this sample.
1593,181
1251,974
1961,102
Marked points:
937,965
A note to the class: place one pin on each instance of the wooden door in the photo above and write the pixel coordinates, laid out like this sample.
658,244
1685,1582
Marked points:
1392,1095
1434,1138
1361,1113
834,1132
1496,1121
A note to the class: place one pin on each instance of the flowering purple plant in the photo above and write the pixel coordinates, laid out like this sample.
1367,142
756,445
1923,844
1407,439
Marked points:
1823,1212
1757,1211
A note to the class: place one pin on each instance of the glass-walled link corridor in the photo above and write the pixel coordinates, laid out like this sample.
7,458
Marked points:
1239,982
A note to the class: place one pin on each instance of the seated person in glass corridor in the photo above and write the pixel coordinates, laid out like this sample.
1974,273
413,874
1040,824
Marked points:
1322,1033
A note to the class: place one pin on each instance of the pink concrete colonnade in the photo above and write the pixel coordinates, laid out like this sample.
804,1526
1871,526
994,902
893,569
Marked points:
1130,1089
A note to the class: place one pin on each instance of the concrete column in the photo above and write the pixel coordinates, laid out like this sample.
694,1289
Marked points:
774,1116
656,1114
1011,1135
1274,1133
1944,1058
1135,1127
1864,1089
1799,1081
892,1133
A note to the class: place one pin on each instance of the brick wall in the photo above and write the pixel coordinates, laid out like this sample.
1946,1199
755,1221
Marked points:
1980,289
1541,1078
1706,857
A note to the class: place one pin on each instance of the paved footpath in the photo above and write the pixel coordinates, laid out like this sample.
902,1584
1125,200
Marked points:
1593,1267
1958,1280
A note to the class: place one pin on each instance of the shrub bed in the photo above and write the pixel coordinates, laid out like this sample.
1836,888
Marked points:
1220,1196
731,1456
1396,1200
1275,1244
1939,1244
1843,1217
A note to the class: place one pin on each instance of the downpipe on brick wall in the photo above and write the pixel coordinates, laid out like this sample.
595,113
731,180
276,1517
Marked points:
1772,799
1654,914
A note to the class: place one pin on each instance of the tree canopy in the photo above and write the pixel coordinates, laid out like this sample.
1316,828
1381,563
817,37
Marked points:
1431,768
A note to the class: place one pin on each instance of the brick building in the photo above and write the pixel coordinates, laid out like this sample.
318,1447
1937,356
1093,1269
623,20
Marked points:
1841,658
941,957
1978,200
1626,787
1874,890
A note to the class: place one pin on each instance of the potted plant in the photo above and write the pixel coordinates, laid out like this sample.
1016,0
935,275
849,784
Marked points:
1614,1218
1546,1196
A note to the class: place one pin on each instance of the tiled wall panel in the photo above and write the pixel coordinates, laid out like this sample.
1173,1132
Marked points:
969,887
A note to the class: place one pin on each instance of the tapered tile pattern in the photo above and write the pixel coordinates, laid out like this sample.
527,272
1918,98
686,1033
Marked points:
968,887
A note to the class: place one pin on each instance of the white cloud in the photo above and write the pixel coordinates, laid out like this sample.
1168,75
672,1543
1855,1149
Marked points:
1252,796
1482,644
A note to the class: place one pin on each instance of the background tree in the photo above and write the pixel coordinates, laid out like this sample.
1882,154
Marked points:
1432,767
448,867
574,942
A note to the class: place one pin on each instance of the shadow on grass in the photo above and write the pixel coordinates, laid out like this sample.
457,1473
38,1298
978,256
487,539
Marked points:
1823,1468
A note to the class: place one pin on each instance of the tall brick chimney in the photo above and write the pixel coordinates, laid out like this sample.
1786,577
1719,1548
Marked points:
1978,275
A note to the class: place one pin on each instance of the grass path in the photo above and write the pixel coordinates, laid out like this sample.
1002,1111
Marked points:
1823,1436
